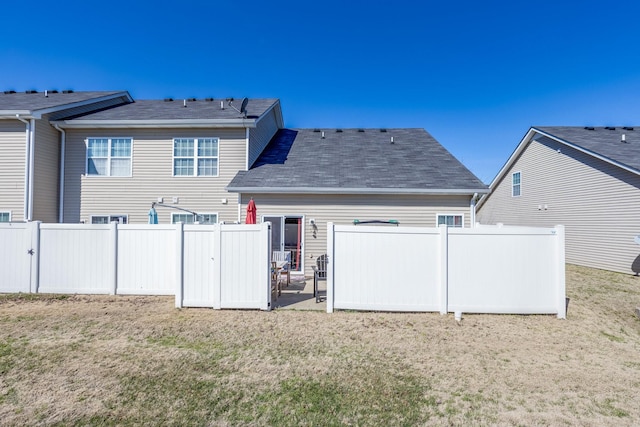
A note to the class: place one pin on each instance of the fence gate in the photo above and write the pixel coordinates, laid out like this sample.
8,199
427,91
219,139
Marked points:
19,265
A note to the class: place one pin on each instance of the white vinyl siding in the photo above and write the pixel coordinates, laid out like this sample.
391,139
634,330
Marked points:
515,184
187,218
109,156
195,157
152,177
5,216
12,165
450,220
408,210
598,203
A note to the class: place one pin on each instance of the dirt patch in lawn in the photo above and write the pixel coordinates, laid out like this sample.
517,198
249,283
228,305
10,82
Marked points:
122,360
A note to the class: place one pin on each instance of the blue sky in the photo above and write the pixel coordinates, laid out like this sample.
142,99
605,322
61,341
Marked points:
476,75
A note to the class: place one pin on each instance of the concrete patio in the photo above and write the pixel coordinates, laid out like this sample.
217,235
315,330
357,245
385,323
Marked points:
299,295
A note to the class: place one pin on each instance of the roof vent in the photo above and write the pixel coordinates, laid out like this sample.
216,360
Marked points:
222,105
623,138
383,130
316,130
609,128
360,130
8,92
627,128
184,103
392,141
338,130
322,134
168,100
31,91
68,91
589,128
209,99
191,99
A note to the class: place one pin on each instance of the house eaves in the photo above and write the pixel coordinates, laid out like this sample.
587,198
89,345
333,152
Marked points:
181,123
313,190
38,113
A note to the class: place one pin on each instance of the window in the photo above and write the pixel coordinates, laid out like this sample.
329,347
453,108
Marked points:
109,156
107,219
515,180
195,157
187,218
451,220
5,216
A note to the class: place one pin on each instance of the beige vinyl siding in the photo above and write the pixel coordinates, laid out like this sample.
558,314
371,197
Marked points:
12,164
152,177
46,173
598,203
409,210
88,108
260,136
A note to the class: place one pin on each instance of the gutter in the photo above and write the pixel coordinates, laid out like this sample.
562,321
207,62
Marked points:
27,165
157,123
317,190
63,145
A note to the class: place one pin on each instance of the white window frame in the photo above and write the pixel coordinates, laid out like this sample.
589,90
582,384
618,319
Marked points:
518,185
439,215
121,219
195,156
175,214
109,157
8,213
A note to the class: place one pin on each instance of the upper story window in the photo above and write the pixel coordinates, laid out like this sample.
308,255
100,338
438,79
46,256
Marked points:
195,157
187,218
109,156
515,184
451,220
5,216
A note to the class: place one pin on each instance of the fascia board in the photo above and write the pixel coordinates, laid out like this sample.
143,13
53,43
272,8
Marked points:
11,114
183,123
38,113
318,190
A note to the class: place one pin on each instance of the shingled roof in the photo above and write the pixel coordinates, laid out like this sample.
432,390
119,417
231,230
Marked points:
601,141
349,161
37,103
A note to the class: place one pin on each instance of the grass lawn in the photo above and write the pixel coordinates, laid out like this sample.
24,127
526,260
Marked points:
122,360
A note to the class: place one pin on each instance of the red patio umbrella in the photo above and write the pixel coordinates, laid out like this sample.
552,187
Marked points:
251,213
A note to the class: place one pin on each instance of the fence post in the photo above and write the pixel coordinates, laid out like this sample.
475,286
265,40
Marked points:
34,283
265,254
331,256
179,264
444,268
113,232
560,272
217,274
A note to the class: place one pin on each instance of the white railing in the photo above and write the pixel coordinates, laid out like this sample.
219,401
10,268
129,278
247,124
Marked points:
477,270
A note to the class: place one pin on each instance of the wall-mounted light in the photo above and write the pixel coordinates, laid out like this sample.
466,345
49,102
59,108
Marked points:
224,201
312,221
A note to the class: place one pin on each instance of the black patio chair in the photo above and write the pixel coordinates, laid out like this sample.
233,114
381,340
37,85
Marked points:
319,273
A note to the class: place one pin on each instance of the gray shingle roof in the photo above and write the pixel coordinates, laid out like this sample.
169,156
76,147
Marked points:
37,101
603,141
300,160
175,110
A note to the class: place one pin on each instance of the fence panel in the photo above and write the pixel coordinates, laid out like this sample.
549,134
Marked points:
15,259
243,266
147,259
384,268
198,271
505,270
76,258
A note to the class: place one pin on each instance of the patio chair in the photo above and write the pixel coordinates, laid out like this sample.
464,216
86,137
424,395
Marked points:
276,280
319,273
283,257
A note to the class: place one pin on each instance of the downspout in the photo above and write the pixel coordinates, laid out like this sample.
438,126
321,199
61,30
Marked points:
246,155
27,154
472,208
31,166
63,145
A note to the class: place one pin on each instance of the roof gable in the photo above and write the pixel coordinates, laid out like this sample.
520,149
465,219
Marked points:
357,160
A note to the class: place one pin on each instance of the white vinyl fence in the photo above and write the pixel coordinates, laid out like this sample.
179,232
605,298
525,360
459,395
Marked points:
517,270
218,266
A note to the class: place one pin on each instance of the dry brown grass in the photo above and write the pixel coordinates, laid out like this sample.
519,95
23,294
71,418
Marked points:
116,360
